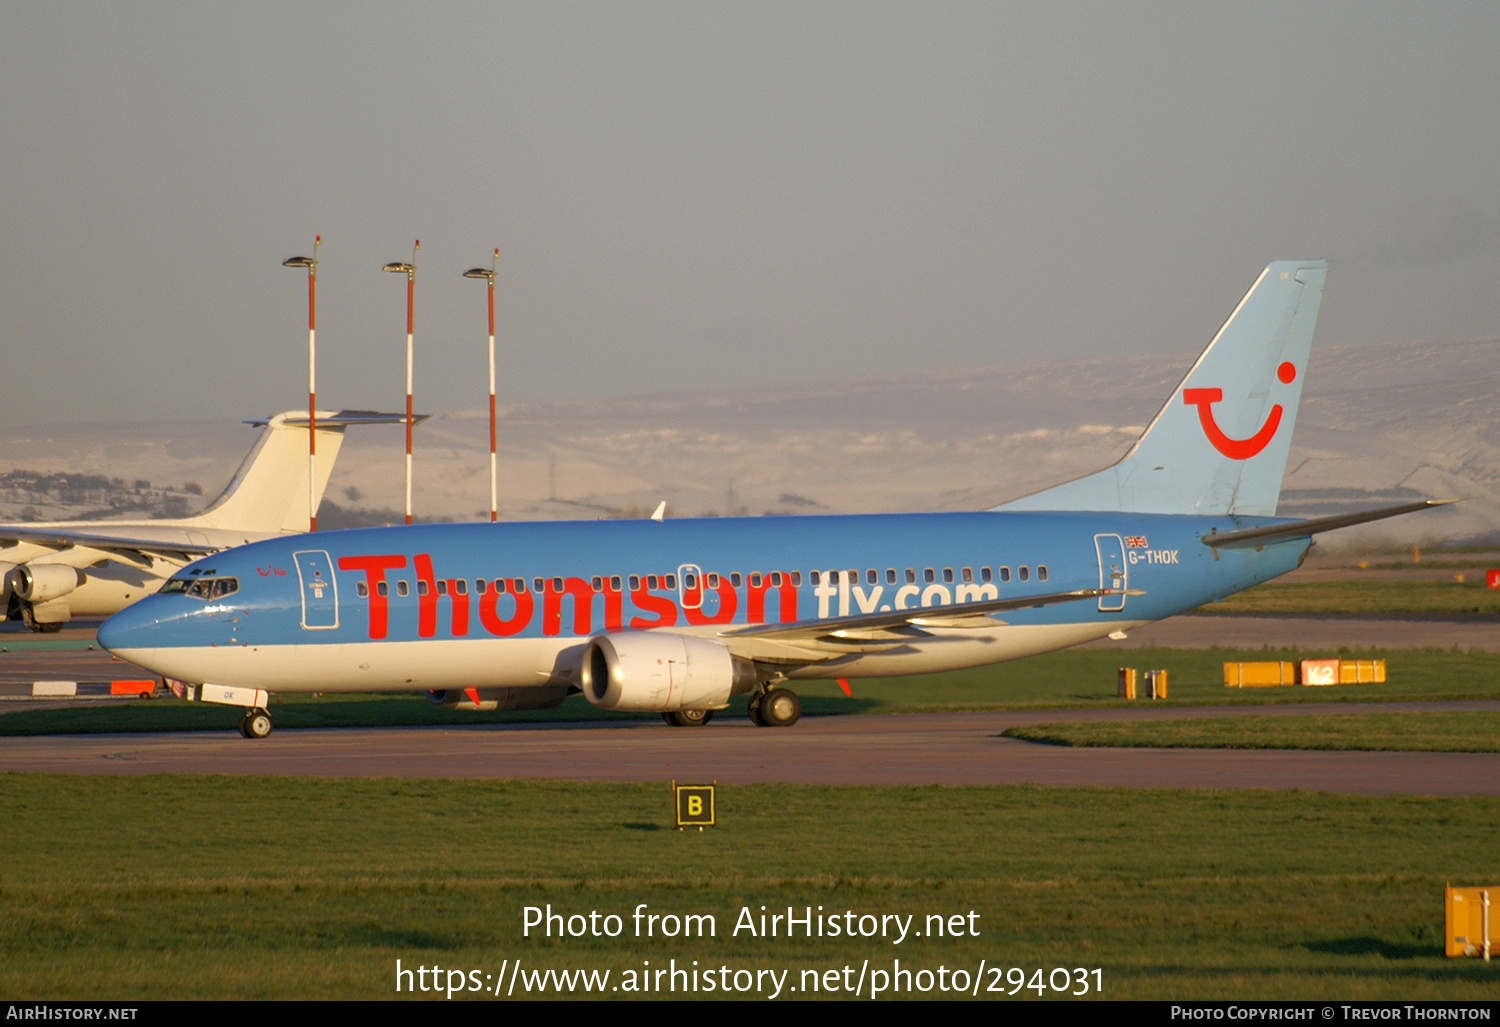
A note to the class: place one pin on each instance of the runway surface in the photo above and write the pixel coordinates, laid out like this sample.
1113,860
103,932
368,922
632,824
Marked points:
937,748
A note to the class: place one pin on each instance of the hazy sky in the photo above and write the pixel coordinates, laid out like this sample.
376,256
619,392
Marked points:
693,195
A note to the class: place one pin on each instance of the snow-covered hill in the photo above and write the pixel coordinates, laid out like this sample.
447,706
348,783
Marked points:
1378,424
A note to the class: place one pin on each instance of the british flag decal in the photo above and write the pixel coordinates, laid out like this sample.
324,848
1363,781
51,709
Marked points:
1135,542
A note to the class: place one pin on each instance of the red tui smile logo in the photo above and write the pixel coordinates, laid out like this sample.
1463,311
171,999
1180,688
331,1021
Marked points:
1237,449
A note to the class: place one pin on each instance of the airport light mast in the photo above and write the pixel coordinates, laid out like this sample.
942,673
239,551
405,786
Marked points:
311,263
489,276
411,285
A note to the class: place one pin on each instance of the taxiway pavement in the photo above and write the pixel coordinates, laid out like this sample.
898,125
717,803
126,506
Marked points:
925,748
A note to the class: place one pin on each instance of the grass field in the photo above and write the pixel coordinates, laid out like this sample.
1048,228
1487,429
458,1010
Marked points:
1370,598
1080,677
1428,732
206,887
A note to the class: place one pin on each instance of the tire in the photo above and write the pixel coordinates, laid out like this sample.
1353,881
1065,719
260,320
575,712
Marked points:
754,710
780,708
257,724
689,718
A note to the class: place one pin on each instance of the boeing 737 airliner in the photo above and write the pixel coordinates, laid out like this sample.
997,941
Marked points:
678,616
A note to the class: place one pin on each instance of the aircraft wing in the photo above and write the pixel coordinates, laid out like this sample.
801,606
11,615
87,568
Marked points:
809,641
133,549
1303,529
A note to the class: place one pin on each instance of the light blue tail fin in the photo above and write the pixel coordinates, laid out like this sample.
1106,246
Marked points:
1220,444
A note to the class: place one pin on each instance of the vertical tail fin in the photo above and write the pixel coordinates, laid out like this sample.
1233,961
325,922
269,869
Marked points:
268,492
1220,444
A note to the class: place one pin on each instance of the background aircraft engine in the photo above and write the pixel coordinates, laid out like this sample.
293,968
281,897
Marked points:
487,699
655,672
37,583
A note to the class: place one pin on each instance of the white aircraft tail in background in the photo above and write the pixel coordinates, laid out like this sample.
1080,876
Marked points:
52,572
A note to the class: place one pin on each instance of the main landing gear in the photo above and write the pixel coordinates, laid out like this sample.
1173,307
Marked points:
256,724
775,707
688,718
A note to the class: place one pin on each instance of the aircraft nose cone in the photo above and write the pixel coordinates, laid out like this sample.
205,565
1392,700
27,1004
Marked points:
128,629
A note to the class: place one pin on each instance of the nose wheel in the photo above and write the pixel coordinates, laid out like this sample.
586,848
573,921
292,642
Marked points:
775,707
256,724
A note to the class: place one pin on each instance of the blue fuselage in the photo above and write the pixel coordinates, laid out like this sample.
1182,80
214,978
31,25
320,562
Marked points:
511,600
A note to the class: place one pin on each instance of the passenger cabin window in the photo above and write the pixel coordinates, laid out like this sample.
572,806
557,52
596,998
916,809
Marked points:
911,575
984,574
967,573
422,587
755,580
1004,573
734,579
928,576
1041,572
536,585
383,589
890,575
402,588
797,578
948,574
361,589
872,576
635,582
1023,572
614,583
461,586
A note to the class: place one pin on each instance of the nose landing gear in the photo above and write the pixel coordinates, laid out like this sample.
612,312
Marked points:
256,724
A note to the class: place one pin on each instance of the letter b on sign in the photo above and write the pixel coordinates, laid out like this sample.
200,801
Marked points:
694,805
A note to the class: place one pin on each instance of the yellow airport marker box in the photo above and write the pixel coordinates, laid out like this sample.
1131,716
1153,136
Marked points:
1126,687
1342,672
1466,921
1264,674
694,805
1361,672
1156,684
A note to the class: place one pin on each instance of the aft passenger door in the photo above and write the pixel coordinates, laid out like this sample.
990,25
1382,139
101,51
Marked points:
320,593
1112,574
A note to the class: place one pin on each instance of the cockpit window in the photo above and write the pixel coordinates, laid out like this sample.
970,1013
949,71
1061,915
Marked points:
202,588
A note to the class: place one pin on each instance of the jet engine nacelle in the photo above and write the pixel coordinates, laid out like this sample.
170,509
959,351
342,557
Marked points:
656,672
37,583
486,699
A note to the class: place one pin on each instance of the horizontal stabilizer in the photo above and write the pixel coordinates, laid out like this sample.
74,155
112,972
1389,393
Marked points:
1302,529
342,418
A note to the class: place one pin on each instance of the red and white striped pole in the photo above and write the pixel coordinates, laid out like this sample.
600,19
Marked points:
311,263
411,285
479,272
